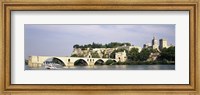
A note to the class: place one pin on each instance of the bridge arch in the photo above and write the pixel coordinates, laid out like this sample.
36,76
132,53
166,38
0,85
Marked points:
114,60
99,62
81,62
110,62
55,60
68,61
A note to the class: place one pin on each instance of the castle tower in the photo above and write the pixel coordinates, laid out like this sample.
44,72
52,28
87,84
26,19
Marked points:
163,43
154,43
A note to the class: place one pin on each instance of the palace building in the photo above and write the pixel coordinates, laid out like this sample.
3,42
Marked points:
154,45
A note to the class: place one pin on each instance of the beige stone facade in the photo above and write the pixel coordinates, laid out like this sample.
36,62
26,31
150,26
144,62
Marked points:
121,56
154,43
163,43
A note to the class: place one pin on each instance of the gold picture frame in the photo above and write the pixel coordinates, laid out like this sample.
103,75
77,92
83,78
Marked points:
96,5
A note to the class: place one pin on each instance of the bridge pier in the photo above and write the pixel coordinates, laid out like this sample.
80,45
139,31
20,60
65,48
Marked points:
34,65
69,64
91,64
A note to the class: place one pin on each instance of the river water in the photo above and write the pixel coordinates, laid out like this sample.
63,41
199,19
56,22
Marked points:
110,67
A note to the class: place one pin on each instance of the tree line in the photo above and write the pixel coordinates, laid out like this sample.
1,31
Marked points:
166,56
97,45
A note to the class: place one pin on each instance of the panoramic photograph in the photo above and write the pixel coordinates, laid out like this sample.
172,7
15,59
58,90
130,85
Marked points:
99,46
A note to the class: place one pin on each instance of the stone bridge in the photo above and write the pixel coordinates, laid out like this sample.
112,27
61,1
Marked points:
37,61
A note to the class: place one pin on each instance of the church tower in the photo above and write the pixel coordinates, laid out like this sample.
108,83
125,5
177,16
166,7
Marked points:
154,43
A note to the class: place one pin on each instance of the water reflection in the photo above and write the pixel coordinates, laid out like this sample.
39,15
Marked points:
110,67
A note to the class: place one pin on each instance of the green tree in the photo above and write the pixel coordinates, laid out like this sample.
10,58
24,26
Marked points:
97,45
112,55
95,55
105,56
109,62
74,55
127,44
154,50
133,54
76,46
144,54
168,54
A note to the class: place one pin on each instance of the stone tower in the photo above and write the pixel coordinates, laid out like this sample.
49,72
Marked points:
163,43
154,43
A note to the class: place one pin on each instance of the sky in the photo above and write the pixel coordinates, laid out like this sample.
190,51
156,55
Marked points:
58,39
